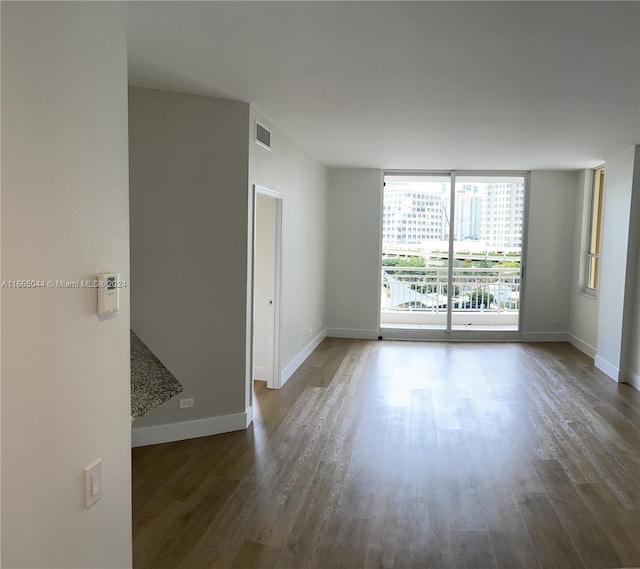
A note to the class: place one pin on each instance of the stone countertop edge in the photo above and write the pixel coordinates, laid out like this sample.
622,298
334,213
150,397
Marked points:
152,384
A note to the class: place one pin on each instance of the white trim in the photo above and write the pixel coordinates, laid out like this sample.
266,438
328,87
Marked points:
634,380
608,369
452,249
296,362
261,373
464,173
524,253
545,337
379,277
353,333
144,436
264,191
585,348
454,336
590,295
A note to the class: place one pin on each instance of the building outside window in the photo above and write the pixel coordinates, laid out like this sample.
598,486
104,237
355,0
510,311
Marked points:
593,237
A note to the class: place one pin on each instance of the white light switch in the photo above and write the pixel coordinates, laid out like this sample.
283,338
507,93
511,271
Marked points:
93,483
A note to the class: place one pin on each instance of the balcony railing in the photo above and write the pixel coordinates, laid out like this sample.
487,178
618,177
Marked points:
424,289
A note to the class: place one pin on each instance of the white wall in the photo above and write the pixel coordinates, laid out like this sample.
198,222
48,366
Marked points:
0,314
551,213
618,263
355,209
302,180
633,376
355,253
188,193
65,373
583,309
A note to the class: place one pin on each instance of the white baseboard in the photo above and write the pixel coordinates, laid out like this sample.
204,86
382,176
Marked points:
353,333
261,373
296,362
170,432
634,380
609,369
545,337
585,348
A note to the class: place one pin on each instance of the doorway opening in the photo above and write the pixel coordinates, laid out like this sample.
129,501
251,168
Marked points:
452,252
267,262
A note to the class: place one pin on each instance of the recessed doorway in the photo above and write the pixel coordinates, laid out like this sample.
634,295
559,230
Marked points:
267,262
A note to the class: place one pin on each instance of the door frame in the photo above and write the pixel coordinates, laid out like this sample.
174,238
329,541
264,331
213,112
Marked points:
274,378
448,333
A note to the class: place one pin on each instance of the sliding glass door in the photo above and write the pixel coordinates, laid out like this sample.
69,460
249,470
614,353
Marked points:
415,215
452,251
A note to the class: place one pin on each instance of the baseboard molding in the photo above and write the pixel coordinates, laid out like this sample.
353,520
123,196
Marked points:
261,373
144,436
609,369
296,362
353,333
634,380
585,348
545,337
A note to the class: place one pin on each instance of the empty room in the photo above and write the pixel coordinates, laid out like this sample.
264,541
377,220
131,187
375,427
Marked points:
320,284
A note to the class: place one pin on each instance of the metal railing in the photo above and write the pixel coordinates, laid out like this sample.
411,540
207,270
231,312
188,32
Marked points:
474,289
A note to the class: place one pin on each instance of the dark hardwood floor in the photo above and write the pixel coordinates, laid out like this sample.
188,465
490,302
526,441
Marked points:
407,455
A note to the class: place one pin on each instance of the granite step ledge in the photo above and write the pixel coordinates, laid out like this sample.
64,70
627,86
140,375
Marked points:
152,384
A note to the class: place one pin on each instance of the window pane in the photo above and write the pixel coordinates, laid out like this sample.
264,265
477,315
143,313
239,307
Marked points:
593,273
415,217
595,229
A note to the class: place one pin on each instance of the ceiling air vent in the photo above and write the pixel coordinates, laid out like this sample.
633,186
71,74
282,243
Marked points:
263,136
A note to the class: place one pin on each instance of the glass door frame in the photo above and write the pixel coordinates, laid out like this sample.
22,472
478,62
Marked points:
448,333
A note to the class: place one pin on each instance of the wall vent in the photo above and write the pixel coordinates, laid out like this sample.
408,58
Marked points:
263,136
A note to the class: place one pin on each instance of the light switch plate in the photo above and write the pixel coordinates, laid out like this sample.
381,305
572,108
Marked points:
92,483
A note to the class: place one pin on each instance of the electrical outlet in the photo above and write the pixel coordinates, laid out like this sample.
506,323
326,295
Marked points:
310,333
555,323
185,403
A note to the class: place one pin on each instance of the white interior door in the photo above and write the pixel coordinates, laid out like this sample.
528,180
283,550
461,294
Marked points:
266,286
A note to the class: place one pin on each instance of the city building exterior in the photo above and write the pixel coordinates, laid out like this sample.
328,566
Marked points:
491,213
502,215
414,213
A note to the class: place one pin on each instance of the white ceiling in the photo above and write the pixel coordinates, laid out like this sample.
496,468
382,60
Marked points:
465,85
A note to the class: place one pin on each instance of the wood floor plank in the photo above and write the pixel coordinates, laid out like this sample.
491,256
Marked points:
191,520
254,555
553,546
621,526
507,531
587,535
472,550
406,455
